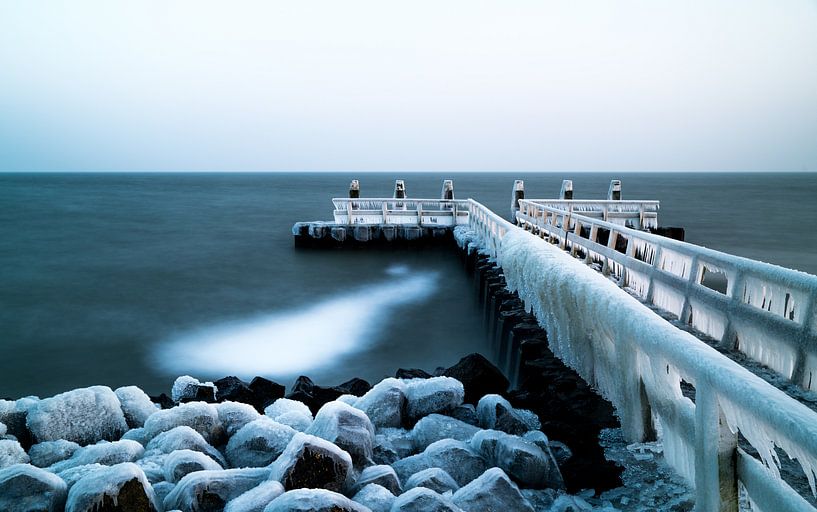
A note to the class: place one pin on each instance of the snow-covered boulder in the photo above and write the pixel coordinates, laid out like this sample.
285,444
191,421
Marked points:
180,463
427,396
421,499
286,406
348,399
391,445
258,443
104,453
212,490
153,466
297,420
493,490
312,462
234,415
12,453
256,498
375,497
313,500
201,417
348,428
123,486
3,429
27,488
13,415
525,462
384,403
183,438
435,427
137,434
189,389
50,452
136,405
496,413
84,416
435,479
457,459
73,475
382,475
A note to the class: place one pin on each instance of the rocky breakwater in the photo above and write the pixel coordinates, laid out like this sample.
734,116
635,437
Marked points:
425,443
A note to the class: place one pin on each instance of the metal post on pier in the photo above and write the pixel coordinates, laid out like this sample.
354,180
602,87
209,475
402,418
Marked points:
354,189
448,190
518,193
399,192
614,192
567,190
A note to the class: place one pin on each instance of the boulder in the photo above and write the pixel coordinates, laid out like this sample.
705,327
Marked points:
3,430
427,396
408,466
84,416
119,488
233,389
210,491
381,475
496,413
348,428
479,377
421,499
13,415
161,490
25,488
266,392
163,401
313,500
314,396
258,443
391,445
466,413
522,460
493,490
296,420
435,427
457,459
12,453
384,403
234,415
50,452
290,412
105,453
256,498
182,438
136,405
435,479
201,417
348,399
312,462
77,473
137,434
181,463
190,389
375,497
356,387
412,373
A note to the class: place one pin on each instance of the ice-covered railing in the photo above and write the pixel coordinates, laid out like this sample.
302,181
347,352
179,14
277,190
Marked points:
637,360
765,311
630,213
422,212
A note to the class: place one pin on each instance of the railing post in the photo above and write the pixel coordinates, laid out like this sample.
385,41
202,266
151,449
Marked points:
518,193
354,189
611,244
716,484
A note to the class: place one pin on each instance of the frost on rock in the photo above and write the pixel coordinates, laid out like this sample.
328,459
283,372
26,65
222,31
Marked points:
435,427
427,396
12,453
26,488
375,497
347,427
493,490
421,499
104,453
348,399
50,452
525,462
256,498
496,413
384,403
410,465
161,490
382,475
183,438
137,434
136,405
313,500
295,419
312,462
77,473
285,406
104,488
202,490
435,479
3,429
234,415
13,416
201,417
153,466
391,445
187,388
457,459
180,463
258,443
84,416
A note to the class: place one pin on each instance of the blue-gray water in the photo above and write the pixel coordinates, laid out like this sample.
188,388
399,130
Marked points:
136,278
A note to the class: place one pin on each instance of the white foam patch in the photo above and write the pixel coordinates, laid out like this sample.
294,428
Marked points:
296,341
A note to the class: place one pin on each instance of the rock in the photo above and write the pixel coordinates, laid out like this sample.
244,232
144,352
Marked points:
538,438
290,412
427,396
479,377
201,417
266,392
525,462
258,443
84,416
356,387
493,490
412,373
13,415
233,389
375,497
540,499
313,500
256,498
381,475
105,453
119,488
210,491
3,429
435,479
163,401
25,488
234,415
435,427
408,466
182,438
466,413
50,452
457,459
314,396
75,474
421,499
190,389
348,428
312,462
384,403
561,452
12,453
136,405
348,399
161,490
496,413
180,463
137,434
391,445
296,420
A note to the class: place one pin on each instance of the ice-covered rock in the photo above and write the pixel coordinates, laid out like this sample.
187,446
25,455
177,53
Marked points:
190,389
479,377
496,413
354,387
427,396
13,415
540,499
233,389
466,413
183,438
137,434
84,416
493,490
136,405
201,417
435,479
256,498
375,497
285,406
382,475
50,452
258,443
313,500
384,403
180,463
3,429
212,490
161,490
348,399
77,473
391,445
234,415
123,486
153,466
12,453
435,427
421,499
348,428
525,462
561,452
312,462
104,453
297,420
457,459
25,488
410,465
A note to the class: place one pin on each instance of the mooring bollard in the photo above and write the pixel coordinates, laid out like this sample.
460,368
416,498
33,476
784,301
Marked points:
399,189
614,193
448,190
354,189
518,193
567,190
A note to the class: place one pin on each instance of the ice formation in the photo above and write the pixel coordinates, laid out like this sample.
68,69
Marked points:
187,387
84,416
227,484
258,443
136,405
201,417
257,498
437,394
180,463
234,415
88,492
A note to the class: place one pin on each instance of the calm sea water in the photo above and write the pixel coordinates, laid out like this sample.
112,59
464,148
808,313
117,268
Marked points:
136,278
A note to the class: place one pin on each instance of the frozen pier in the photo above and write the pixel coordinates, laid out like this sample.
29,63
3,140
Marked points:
593,274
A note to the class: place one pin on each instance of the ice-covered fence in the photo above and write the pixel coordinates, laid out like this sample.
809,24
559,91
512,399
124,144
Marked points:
630,213
416,212
765,311
637,360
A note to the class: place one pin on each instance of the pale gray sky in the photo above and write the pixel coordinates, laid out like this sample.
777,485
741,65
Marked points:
427,85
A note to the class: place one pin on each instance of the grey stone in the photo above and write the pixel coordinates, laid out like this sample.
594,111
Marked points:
493,490
25,488
435,479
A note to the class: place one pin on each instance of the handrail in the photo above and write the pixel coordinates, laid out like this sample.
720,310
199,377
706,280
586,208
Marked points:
385,211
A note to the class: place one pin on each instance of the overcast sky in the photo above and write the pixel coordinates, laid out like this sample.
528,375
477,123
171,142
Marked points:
425,85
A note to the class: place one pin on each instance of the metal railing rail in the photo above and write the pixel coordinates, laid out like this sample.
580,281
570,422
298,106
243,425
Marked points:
384,211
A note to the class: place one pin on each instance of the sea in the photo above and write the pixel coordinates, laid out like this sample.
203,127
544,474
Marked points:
137,278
